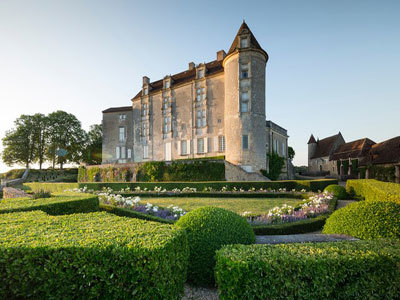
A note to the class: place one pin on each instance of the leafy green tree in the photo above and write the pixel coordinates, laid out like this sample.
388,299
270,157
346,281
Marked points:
92,152
276,163
19,142
291,153
66,138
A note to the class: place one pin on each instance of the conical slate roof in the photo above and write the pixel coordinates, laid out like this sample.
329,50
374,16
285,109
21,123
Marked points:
253,42
311,140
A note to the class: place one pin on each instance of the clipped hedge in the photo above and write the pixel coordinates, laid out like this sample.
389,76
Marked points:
303,226
340,270
366,220
208,229
337,191
89,256
125,212
58,205
309,185
373,190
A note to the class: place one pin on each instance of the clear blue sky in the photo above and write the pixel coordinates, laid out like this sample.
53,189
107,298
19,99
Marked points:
334,65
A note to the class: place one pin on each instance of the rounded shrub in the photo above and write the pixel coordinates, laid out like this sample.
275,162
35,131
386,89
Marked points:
337,191
366,220
208,229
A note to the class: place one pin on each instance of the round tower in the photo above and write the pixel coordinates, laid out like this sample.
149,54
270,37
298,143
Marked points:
245,122
312,147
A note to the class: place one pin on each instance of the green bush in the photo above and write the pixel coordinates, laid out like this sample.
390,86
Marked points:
41,194
309,185
90,256
366,220
58,205
303,226
373,190
208,229
340,270
337,191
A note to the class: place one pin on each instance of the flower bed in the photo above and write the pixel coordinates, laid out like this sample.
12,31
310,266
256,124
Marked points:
310,208
340,270
90,256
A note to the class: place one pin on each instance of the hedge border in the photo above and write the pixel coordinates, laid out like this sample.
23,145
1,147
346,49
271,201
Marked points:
303,226
308,185
68,204
374,190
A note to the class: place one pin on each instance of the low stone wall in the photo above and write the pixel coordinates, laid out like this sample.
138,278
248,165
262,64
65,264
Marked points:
236,173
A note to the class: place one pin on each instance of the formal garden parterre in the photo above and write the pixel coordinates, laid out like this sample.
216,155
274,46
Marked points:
110,249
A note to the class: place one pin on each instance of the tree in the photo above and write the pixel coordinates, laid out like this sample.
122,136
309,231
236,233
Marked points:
66,138
92,152
19,142
41,134
276,163
291,153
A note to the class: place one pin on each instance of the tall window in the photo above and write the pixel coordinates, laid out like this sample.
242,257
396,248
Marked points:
122,134
129,153
144,109
198,119
165,103
245,142
244,70
183,147
200,145
200,94
221,143
244,103
203,118
144,129
145,151
117,153
123,152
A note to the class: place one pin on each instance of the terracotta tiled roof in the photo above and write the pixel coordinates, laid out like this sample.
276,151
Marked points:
117,109
325,146
354,149
311,140
386,152
253,42
213,67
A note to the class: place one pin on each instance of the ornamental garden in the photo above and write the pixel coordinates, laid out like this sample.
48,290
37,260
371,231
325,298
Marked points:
146,240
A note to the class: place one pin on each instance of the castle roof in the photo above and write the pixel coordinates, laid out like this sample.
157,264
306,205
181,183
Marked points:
354,149
117,109
386,152
212,67
325,147
312,140
244,29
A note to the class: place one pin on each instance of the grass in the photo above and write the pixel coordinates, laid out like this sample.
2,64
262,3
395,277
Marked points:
255,206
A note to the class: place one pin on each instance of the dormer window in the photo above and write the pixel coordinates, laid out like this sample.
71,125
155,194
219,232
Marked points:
145,91
244,42
167,84
200,74
122,117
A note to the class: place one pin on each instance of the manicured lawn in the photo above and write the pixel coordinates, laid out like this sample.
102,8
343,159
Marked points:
256,206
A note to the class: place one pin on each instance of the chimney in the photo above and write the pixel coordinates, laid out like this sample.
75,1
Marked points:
191,65
221,55
146,80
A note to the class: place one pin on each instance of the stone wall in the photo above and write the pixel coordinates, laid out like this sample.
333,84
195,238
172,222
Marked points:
236,173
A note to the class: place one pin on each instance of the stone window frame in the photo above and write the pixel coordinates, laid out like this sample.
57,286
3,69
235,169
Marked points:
200,146
122,117
184,142
123,139
145,151
245,101
117,152
221,143
244,40
245,142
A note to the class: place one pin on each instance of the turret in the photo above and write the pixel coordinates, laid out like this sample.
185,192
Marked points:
244,68
312,147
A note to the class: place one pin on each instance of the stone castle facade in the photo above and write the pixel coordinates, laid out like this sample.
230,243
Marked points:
211,109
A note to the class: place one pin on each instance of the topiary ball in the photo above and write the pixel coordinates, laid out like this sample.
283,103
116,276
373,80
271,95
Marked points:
337,191
208,229
366,220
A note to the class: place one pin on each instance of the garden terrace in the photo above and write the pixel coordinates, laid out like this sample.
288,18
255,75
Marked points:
93,255
308,185
340,270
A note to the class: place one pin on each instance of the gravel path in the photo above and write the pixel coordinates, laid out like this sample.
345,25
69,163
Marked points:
343,203
200,293
302,238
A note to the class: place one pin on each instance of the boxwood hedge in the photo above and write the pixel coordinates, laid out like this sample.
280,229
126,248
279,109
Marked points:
341,270
337,191
370,189
86,256
313,185
57,205
366,220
